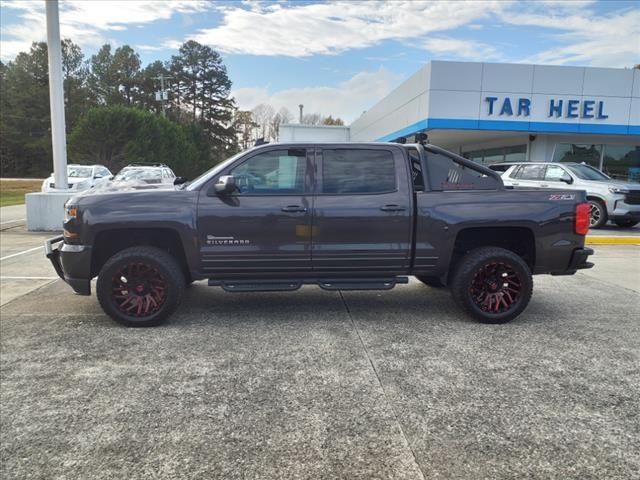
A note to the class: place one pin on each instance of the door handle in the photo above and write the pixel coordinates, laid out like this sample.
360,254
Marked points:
294,209
392,208
515,184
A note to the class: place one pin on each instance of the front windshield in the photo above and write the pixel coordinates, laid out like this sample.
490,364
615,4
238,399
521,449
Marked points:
198,181
585,172
129,174
79,172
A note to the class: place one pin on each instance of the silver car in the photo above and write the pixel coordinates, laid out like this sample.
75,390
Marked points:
609,199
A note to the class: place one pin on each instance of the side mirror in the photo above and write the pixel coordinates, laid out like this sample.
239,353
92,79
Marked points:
226,185
179,180
566,179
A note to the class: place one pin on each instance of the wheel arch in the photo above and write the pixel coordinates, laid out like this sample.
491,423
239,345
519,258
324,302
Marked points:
111,241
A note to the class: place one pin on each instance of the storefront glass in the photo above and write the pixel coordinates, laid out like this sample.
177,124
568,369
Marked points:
488,156
575,153
622,162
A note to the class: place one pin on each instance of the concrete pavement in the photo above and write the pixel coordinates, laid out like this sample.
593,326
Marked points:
317,384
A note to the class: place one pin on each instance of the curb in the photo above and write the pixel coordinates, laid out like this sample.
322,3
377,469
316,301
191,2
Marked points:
598,240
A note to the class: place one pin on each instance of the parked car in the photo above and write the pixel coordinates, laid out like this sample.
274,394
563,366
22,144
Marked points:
152,174
608,199
501,167
342,216
81,177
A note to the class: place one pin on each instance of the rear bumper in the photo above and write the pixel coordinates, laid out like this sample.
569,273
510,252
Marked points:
72,263
578,261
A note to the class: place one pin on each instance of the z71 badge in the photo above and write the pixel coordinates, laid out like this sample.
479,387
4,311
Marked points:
562,196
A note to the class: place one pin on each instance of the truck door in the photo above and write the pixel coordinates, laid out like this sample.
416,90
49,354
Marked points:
362,212
263,227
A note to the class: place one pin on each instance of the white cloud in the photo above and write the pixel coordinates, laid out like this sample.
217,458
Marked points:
86,22
455,48
303,30
611,40
346,100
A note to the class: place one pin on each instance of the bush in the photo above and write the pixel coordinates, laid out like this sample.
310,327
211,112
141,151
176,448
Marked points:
116,136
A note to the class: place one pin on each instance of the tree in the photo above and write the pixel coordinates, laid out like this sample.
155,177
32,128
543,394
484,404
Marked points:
125,67
312,119
244,126
262,116
116,136
332,121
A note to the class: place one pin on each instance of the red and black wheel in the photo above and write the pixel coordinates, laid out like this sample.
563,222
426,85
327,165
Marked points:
140,286
494,285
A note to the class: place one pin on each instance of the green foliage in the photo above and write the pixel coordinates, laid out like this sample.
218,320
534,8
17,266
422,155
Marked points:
116,136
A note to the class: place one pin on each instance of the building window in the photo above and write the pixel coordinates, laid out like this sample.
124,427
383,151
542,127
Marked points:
622,162
488,156
575,153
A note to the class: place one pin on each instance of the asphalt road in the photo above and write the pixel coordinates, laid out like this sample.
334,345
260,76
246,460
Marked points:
318,384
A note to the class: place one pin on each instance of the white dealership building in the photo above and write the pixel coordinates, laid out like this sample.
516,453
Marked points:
496,112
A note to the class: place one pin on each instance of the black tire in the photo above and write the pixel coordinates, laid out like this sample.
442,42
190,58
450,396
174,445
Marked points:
478,291
598,214
159,285
626,223
433,282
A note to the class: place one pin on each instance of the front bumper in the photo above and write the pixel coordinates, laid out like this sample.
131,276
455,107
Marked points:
72,263
578,261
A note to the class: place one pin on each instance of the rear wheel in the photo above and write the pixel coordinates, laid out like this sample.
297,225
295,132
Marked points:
626,223
492,284
598,214
140,286
433,282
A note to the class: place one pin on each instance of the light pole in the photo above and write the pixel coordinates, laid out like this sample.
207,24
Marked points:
56,96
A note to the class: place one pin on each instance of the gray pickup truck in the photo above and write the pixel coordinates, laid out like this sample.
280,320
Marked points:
341,216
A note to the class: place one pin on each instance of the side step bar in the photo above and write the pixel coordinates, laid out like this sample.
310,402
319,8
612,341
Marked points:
283,285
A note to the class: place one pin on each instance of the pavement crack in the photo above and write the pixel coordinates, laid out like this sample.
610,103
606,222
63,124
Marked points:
384,393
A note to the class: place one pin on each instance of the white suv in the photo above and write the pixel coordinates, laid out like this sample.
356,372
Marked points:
609,199
80,178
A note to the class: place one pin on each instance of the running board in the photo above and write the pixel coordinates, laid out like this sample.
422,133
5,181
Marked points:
280,285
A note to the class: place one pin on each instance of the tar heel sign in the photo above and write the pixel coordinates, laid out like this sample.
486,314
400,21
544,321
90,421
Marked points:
554,107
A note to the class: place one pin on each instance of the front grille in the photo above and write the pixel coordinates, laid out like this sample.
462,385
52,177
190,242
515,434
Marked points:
632,198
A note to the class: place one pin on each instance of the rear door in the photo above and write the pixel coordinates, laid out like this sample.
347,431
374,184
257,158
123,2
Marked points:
362,211
528,175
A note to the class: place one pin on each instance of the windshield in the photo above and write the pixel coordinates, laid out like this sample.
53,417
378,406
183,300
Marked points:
129,174
79,172
197,182
585,172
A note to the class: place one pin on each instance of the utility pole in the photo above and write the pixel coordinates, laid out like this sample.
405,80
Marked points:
162,92
301,106
56,96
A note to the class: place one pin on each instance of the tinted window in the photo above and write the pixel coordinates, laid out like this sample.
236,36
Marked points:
272,173
358,171
586,172
530,172
416,169
446,174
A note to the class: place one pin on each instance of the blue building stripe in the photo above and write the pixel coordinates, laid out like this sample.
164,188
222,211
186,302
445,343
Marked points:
511,126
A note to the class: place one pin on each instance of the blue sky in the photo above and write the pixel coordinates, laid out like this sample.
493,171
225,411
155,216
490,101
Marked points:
340,57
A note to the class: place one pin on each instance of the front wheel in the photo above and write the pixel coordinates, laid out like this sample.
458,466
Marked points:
140,286
598,214
626,223
492,284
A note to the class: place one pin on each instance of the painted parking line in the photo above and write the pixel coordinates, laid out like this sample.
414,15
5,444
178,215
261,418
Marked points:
13,221
21,253
602,240
27,278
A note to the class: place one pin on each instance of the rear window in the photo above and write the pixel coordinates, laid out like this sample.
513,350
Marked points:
446,174
529,172
353,171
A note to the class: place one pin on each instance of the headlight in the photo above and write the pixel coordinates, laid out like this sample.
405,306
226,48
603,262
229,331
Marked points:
70,211
618,190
